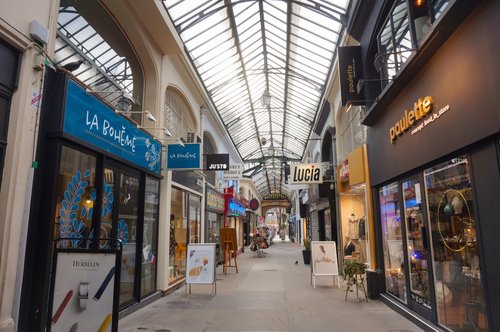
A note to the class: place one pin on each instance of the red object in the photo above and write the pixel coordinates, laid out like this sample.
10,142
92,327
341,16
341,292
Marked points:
254,204
228,193
62,306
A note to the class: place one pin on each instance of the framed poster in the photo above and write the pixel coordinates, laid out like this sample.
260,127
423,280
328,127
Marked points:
200,265
324,258
84,295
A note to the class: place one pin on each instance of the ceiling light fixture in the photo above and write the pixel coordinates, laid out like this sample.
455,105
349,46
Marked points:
266,99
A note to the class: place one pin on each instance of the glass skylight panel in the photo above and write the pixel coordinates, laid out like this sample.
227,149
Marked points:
237,82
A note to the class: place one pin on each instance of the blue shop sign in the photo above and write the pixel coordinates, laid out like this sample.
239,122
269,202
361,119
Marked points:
236,207
91,120
184,157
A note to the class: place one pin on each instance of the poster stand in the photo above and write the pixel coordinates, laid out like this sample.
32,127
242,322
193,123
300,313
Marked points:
229,245
85,285
324,261
201,265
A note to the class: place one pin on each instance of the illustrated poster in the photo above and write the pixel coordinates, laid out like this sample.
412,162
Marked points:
200,266
83,273
324,258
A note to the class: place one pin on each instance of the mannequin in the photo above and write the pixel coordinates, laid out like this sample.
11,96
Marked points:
349,247
353,227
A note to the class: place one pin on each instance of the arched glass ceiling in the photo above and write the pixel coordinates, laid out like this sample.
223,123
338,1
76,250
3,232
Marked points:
243,49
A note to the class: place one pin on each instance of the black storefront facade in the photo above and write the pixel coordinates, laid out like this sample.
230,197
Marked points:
97,177
434,155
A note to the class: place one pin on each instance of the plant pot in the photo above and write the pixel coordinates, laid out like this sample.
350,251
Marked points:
306,254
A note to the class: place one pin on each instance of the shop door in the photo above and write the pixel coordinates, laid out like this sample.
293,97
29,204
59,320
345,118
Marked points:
119,219
417,253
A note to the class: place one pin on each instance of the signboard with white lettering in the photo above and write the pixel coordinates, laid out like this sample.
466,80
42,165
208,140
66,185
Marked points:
84,291
235,172
184,157
217,162
306,173
89,119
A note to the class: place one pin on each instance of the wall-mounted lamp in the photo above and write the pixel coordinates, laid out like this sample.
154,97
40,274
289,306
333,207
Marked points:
165,130
177,141
266,99
148,114
350,104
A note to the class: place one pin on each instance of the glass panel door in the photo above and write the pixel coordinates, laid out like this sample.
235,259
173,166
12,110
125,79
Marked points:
416,242
126,232
150,236
392,239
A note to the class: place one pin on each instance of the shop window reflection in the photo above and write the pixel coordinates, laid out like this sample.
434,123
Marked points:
75,198
455,253
392,240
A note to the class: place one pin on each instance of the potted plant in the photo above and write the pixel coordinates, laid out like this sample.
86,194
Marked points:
353,269
306,253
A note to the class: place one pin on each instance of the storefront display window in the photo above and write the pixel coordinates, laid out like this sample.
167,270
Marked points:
75,197
416,244
355,223
178,237
455,250
108,198
150,234
194,219
212,228
392,240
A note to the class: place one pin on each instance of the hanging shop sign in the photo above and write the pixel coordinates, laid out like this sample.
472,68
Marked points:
344,171
235,207
350,74
217,162
215,200
92,121
184,157
306,173
420,114
235,172
254,204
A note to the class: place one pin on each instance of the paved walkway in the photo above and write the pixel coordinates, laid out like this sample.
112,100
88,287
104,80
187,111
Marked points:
268,294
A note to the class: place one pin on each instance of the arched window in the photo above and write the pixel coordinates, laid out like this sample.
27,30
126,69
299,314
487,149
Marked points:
178,116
